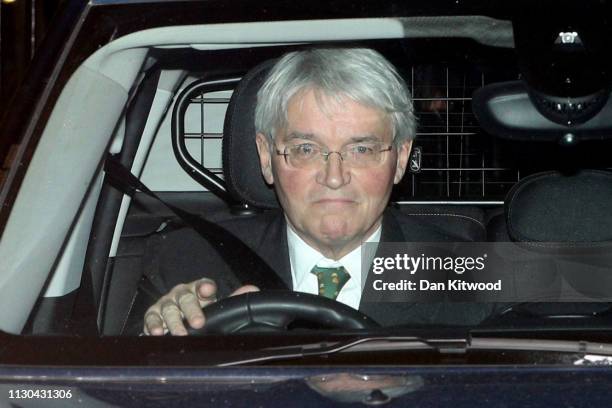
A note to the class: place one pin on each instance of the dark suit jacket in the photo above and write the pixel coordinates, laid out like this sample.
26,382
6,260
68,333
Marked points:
183,256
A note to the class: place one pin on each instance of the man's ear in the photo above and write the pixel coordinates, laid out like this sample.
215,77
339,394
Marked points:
403,155
265,157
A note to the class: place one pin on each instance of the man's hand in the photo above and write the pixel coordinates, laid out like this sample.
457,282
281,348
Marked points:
184,301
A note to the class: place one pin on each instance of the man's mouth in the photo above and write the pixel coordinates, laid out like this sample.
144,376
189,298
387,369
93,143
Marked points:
335,201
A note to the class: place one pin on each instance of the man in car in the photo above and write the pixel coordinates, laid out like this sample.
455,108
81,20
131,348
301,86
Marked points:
334,131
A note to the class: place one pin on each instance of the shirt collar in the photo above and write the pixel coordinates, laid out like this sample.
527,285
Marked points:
303,257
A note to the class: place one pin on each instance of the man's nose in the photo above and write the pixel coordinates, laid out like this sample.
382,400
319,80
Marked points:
335,173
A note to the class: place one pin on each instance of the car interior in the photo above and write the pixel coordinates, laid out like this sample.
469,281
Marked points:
506,151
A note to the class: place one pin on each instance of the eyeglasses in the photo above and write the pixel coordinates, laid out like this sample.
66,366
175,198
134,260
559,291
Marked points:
358,155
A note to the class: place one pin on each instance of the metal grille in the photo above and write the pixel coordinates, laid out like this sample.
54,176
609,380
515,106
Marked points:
204,128
459,162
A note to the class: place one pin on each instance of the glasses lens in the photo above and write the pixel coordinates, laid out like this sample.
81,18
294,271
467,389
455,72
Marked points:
304,154
363,154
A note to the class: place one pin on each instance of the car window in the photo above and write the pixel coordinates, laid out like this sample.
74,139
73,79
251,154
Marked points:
495,182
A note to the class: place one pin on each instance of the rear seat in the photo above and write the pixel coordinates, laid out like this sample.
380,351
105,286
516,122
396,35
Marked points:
466,222
563,211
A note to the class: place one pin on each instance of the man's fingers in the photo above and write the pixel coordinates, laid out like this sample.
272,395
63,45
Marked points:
206,290
189,304
245,289
184,301
173,318
154,325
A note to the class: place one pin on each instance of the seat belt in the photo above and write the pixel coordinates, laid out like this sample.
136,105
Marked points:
246,264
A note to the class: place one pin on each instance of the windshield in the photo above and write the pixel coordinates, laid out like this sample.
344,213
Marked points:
388,185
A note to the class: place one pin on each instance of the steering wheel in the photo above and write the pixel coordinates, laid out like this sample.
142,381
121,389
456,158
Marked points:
276,310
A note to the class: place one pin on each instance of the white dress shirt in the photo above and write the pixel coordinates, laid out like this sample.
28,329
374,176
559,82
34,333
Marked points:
303,258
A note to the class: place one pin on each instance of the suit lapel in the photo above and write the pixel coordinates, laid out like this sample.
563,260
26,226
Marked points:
386,313
391,228
274,249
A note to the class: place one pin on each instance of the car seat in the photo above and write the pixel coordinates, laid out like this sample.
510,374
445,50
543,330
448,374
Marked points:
565,217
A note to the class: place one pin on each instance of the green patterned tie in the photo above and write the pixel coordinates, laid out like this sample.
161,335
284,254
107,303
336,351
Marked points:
331,280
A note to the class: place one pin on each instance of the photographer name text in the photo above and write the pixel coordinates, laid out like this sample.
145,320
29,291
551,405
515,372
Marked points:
457,285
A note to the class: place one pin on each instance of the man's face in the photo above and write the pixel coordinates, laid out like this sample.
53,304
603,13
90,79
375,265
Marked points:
333,206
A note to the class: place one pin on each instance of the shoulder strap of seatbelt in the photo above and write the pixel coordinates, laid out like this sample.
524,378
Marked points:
246,264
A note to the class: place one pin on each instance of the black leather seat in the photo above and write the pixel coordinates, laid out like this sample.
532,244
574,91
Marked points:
566,216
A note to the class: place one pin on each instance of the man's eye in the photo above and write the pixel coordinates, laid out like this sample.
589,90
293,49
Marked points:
363,150
304,150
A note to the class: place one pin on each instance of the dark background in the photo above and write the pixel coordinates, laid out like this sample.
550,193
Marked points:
23,24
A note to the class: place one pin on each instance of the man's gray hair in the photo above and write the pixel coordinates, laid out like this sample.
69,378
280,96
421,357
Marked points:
361,74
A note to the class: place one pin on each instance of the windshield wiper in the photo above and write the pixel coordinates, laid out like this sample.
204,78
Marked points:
561,346
355,345
443,346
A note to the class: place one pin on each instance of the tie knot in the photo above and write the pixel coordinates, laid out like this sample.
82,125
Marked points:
331,280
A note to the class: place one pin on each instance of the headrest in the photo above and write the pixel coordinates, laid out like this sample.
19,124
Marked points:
240,160
554,207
